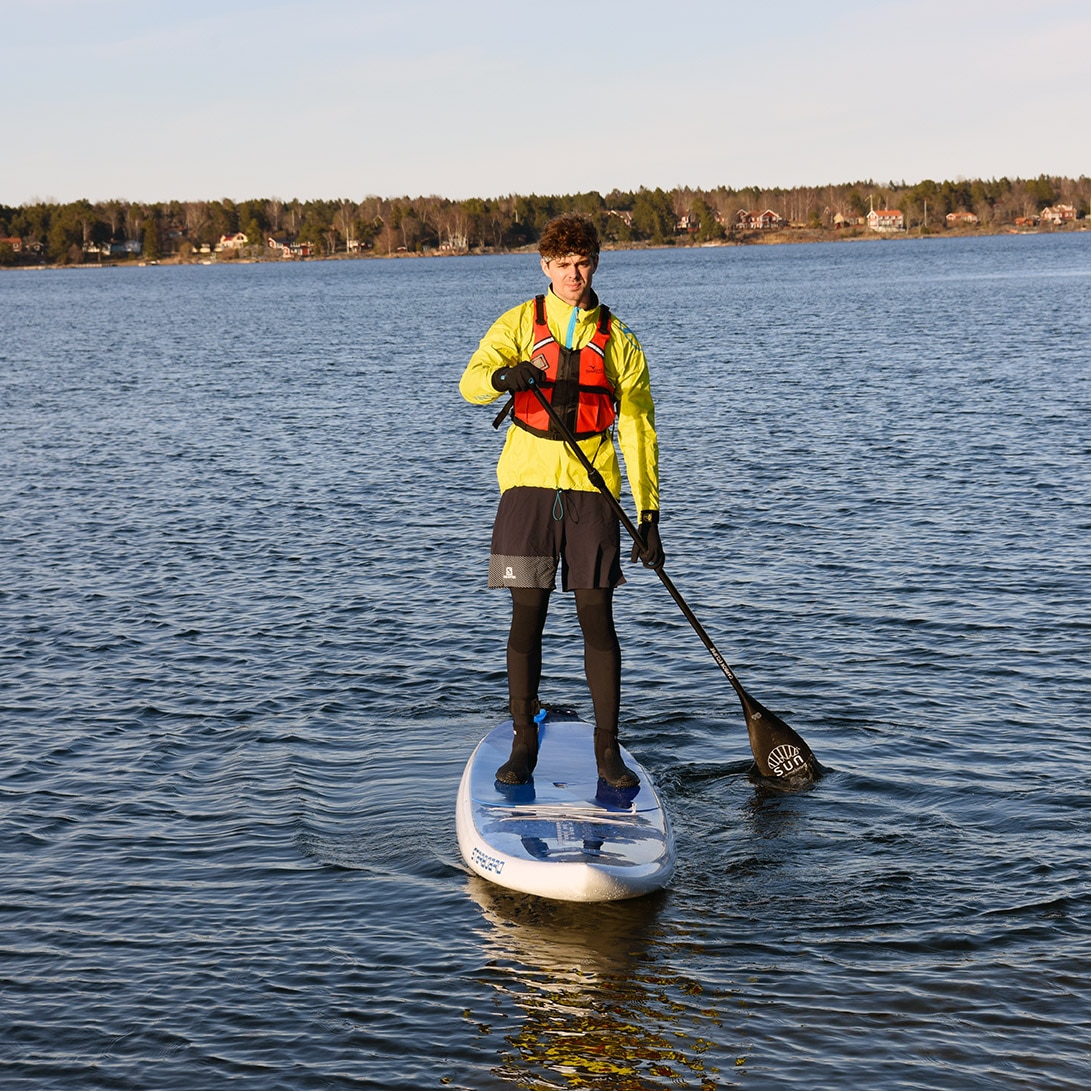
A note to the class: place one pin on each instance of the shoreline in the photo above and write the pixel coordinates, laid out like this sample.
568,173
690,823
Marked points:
787,237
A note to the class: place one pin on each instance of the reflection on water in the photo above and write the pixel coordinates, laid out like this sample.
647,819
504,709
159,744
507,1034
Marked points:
597,1009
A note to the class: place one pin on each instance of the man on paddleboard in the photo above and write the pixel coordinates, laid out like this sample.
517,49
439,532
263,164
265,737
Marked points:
591,368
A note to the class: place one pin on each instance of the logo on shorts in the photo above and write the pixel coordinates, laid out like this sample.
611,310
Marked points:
509,573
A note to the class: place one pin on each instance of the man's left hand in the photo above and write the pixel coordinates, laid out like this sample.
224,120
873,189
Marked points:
650,547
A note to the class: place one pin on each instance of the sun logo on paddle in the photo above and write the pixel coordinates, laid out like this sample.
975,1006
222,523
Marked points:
785,760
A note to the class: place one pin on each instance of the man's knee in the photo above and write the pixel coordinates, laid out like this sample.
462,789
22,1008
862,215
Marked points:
594,608
529,606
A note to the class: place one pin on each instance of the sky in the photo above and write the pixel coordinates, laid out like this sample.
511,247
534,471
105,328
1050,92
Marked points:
198,100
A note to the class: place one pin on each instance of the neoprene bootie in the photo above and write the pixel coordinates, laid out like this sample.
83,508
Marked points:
524,746
608,759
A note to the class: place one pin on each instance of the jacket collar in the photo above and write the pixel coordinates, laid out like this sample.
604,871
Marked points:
563,311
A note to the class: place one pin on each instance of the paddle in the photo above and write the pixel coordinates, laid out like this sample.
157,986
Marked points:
780,752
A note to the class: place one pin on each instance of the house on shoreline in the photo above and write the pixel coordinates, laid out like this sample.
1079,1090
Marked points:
130,248
885,219
1057,214
755,220
235,241
289,248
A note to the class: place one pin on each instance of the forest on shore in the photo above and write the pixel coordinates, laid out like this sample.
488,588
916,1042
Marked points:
82,231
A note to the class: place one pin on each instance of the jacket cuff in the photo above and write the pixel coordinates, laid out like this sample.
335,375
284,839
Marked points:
649,517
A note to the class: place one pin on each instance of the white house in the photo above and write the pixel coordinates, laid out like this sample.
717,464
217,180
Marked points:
757,221
232,242
1058,214
885,219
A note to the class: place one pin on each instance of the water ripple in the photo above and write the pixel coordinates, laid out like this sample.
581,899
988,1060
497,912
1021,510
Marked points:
246,650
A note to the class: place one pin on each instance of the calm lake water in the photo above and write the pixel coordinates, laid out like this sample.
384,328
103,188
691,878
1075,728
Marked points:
246,648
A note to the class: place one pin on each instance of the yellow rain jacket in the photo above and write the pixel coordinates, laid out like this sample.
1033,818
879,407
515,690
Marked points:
529,460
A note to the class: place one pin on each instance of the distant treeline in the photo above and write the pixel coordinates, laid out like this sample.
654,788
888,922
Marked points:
86,231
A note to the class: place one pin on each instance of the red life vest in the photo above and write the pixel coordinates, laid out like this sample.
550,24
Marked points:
574,382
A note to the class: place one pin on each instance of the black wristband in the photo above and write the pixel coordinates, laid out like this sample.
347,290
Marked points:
649,518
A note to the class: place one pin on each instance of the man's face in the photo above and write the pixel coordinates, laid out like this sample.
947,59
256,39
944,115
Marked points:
570,278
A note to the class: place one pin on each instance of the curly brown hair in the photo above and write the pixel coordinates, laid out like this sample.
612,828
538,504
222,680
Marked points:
569,234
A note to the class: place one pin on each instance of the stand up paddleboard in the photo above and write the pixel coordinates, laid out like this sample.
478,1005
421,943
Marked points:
566,834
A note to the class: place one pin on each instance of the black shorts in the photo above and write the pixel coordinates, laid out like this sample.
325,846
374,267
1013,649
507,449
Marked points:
536,529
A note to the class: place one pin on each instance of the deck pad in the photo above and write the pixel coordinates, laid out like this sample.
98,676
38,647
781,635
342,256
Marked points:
566,834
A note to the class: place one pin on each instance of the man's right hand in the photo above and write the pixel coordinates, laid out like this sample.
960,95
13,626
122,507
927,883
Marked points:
517,377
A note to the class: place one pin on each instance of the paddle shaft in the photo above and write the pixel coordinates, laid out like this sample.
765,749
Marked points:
597,480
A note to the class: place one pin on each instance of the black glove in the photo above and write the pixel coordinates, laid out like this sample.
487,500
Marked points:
650,548
517,377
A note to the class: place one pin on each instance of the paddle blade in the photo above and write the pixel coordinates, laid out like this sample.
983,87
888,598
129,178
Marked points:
782,756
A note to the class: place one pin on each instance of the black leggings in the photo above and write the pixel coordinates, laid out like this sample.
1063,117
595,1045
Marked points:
601,650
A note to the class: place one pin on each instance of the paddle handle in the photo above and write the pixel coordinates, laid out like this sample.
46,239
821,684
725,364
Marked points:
600,484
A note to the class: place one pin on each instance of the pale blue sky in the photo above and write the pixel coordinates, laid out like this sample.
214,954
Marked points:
335,98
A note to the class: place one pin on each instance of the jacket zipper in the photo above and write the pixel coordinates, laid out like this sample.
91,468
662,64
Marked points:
570,335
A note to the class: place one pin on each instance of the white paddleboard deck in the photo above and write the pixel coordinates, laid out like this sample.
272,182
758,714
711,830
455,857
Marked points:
565,835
